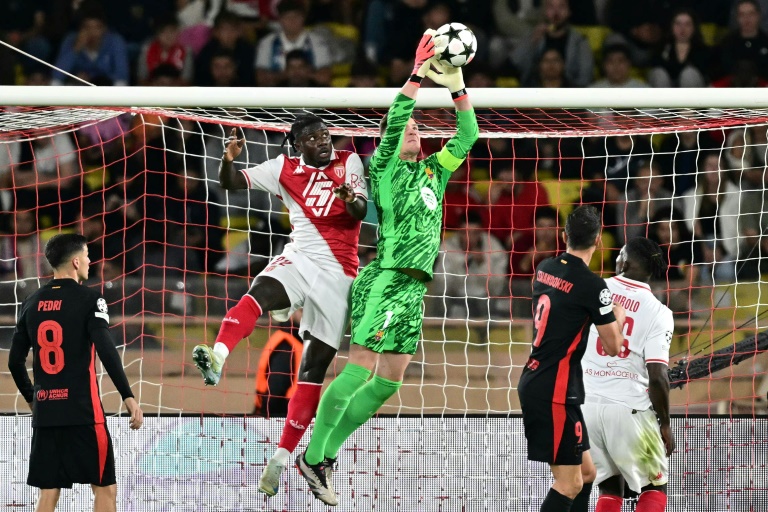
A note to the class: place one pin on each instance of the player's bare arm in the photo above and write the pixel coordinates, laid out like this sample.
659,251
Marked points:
611,335
658,392
229,178
356,205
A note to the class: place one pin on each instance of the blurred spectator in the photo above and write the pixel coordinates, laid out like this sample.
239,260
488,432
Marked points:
165,49
191,13
195,216
22,254
346,12
747,148
685,257
459,200
744,73
375,34
550,70
638,25
409,21
22,24
678,156
514,20
298,70
712,210
746,43
469,270
555,31
93,52
10,153
479,75
226,37
364,74
617,68
224,70
515,195
135,20
48,178
685,59
645,199
292,35
547,243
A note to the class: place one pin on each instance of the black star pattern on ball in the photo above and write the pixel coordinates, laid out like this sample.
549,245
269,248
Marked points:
453,33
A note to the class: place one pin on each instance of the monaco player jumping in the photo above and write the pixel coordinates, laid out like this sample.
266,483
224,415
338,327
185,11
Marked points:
626,407
325,193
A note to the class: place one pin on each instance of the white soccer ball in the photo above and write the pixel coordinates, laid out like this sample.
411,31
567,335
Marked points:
455,45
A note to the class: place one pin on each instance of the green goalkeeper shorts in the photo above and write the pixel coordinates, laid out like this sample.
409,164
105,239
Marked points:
386,310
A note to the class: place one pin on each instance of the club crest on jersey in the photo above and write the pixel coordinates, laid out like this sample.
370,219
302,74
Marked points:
605,296
429,198
430,172
379,335
338,170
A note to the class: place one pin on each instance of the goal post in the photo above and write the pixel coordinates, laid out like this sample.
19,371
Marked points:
135,169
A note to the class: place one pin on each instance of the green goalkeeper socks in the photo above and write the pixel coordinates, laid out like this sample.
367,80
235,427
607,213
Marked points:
363,406
332,406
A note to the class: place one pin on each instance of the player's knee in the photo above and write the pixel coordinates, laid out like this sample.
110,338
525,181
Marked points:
107,493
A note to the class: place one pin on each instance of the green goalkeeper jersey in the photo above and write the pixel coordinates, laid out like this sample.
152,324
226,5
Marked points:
409,195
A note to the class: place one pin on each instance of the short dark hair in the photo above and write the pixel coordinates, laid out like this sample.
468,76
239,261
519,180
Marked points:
60,248
545,212
582,227
301,123
383,126
617,48
646,253
290,5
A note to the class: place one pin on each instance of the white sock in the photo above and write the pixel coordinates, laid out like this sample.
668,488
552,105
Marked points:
282,456
221,349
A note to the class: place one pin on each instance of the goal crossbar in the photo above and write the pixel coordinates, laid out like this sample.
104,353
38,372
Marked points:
274,97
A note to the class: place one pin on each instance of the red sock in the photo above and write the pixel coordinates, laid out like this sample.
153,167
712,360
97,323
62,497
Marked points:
301,409
608,503
651,501
239,322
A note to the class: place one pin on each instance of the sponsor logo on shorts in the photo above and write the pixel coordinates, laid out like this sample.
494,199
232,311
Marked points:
52,394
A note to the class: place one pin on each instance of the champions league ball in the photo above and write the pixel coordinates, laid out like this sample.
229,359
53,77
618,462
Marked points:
455,45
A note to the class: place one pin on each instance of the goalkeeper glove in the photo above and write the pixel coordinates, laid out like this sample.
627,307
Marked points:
449,77
424,52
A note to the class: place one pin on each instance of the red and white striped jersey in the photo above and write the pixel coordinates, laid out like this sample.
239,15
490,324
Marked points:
321,226
647,335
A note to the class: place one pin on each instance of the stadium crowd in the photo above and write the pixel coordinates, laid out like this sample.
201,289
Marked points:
130,185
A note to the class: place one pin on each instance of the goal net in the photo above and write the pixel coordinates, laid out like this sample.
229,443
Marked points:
172,251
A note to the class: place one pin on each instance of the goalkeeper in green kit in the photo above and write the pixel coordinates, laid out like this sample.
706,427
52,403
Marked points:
387,295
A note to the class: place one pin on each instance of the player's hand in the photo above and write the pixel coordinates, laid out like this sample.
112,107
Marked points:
137,417
234,146
345,193
424,52
447,76
620,313
669,439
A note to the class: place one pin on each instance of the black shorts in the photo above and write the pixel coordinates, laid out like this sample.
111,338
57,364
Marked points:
556,433
78,454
